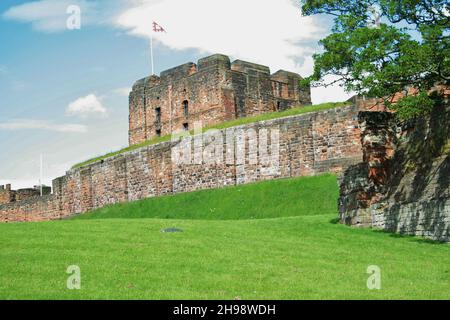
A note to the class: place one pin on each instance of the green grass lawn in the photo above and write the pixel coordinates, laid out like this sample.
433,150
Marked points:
268,199
224,125
274,251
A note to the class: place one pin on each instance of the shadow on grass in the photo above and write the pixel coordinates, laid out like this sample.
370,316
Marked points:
411,238
335,221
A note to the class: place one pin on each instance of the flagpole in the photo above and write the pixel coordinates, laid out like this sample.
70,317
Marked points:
41,174
151,53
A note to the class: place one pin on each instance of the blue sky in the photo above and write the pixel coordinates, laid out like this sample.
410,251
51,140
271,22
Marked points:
63,92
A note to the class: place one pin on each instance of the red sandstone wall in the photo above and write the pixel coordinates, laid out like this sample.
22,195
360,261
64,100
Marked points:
216,91
6,196
403,183
327,141
32,209
201,87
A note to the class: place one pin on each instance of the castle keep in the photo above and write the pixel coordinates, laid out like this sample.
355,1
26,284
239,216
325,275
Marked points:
212,91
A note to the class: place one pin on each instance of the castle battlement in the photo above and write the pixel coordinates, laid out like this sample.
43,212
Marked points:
8,195
212,91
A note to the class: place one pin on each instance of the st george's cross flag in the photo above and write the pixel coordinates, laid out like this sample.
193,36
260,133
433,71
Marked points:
157,28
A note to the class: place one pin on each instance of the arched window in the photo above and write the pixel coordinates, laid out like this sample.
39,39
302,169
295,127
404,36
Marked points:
186,108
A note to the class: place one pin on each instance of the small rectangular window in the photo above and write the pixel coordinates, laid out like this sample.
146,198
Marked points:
158,114
186,126
186,108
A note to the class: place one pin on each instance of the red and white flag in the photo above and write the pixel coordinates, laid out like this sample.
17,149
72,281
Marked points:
157,28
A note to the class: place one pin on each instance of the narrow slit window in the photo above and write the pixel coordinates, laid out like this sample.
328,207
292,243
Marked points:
158,114
186,108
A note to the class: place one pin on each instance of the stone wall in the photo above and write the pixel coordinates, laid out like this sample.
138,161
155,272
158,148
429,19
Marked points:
7,195
32,209
403,184
308,144
212,91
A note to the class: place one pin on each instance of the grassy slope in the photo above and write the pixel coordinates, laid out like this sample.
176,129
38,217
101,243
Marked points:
305,256
269,199
237,122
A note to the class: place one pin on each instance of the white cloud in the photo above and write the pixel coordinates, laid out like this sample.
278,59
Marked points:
270,32
332,93
124,91
264,31
29,124
49,15
86,106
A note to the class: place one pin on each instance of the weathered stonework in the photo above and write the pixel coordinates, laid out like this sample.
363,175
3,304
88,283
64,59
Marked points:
32,209
308,144
212,91
403,184
7,195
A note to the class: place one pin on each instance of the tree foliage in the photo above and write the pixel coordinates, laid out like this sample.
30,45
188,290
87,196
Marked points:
407,47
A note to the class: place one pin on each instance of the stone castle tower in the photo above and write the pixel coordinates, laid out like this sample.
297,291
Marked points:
212,91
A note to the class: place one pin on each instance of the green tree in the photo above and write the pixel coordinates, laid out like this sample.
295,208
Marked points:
380,47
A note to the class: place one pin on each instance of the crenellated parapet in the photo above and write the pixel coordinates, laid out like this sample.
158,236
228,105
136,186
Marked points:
8,195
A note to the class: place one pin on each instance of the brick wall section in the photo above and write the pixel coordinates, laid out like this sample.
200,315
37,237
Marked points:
313,143
215,91
403,185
